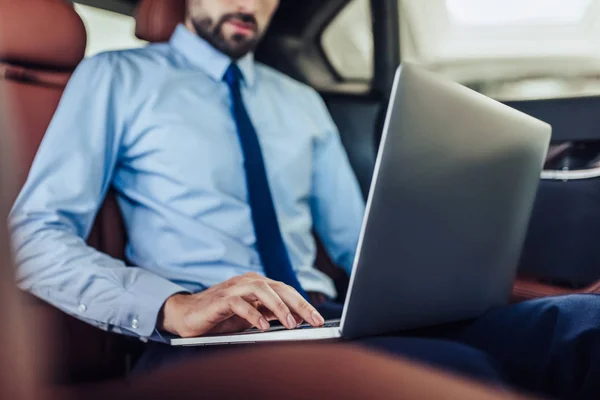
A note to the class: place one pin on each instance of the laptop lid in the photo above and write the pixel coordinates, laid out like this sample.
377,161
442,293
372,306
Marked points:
453,188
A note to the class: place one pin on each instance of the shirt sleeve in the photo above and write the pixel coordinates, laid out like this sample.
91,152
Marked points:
337,204
57,206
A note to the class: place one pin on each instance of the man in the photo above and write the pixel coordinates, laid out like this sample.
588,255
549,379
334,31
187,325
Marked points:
223,167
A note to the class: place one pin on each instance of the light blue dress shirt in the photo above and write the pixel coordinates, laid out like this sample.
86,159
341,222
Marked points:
155,123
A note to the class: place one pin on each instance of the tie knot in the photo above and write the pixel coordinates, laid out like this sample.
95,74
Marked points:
233,75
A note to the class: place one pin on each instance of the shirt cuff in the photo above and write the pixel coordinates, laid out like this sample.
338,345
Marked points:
143,302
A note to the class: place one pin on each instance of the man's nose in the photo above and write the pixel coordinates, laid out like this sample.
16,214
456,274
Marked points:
247,6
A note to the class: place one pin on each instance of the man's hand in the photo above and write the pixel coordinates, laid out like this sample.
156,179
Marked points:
236,305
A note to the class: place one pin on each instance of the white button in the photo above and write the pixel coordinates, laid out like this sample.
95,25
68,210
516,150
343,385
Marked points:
82,308
135,323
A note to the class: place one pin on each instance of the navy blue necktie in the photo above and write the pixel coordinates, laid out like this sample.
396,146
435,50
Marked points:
273,254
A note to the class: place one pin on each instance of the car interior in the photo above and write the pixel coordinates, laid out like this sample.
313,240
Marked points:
38,54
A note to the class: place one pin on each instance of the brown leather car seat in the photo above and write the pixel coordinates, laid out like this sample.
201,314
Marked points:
156,19
41,43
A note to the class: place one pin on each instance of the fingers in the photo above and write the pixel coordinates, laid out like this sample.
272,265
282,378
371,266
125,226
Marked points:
298,303
283,300
252,298
268,314
221,314
260,290
246,311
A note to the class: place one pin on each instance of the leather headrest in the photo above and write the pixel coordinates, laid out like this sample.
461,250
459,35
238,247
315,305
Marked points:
41,33
157,19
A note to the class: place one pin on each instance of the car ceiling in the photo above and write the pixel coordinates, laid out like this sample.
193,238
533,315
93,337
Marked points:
294,17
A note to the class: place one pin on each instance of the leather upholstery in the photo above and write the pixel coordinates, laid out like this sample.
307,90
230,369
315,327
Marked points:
35,65
528,289
334,371
17,374
42,41
156,19
31,108
50,44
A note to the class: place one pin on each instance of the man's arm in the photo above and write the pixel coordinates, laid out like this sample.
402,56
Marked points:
337,204
57,206
55,212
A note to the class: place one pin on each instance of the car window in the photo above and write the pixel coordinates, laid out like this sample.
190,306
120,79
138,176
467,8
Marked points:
107,30
502,13
348,42
507,48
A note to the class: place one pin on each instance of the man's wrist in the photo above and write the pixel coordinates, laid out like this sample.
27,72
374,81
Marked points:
171,313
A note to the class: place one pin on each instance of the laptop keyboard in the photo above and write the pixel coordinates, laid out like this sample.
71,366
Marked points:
328,324
279,327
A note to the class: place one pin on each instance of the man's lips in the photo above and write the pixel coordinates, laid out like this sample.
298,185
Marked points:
242,27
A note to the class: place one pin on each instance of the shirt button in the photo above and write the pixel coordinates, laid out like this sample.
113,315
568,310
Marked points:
135,323
82,308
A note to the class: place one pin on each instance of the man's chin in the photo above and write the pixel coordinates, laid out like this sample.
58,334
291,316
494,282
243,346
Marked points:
239,50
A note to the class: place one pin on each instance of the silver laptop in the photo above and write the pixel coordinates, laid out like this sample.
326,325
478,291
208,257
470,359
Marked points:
453,188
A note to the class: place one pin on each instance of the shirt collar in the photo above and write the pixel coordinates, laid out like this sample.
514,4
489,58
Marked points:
203,55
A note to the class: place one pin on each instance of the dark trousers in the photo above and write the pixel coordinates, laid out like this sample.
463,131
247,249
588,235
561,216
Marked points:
549,347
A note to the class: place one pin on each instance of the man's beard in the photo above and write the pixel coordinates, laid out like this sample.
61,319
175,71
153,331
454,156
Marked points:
238,46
